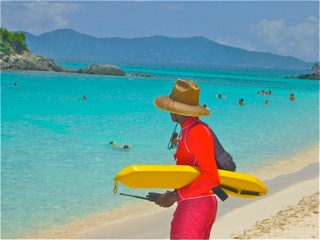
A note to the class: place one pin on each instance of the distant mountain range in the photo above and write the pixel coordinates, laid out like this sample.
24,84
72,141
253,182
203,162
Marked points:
69,45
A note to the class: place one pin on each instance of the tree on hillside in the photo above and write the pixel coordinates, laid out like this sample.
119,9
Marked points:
12,42
18,42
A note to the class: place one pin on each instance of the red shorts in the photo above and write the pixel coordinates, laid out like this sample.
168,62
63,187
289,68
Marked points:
193,218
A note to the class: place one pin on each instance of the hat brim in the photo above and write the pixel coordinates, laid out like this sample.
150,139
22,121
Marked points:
165,103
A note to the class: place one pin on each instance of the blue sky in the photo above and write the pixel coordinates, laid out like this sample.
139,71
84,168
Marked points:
280,27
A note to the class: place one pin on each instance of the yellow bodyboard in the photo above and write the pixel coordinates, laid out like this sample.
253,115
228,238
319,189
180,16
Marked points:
177,176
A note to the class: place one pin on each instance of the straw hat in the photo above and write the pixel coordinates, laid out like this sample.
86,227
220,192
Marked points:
183,100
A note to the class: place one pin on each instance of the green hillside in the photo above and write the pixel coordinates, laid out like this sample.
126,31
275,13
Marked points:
12,42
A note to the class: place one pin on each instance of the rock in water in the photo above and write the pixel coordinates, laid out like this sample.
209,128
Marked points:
103,69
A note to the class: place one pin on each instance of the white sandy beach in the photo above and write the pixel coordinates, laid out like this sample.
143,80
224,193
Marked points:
290,210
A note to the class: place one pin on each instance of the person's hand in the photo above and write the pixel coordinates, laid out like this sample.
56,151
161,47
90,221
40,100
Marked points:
166,199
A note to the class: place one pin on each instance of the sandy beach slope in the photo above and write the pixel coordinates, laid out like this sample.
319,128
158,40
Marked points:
289,210
289,223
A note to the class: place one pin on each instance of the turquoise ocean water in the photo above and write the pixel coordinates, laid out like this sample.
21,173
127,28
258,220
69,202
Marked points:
57,166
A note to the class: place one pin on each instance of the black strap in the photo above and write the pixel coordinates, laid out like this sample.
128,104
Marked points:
220,193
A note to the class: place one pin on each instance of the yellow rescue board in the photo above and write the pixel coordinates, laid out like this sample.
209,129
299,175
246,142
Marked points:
177,176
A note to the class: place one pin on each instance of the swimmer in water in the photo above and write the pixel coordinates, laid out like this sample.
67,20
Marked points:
121,146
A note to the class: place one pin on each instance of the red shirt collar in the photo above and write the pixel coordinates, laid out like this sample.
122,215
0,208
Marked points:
189,122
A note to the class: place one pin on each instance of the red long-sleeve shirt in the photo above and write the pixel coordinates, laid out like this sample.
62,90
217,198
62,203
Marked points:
196,148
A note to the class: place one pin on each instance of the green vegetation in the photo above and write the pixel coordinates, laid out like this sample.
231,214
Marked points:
12,42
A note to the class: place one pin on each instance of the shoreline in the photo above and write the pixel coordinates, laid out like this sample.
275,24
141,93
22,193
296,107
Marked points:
301,172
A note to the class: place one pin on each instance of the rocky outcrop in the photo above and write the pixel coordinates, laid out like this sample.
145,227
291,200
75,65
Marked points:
29,61
148,75
33,62
315,67
104,69
312,76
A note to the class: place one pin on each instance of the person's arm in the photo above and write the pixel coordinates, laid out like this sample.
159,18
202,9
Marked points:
200,144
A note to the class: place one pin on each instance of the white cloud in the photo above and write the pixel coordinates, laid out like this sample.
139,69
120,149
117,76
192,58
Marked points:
37,17
238,43
301,40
